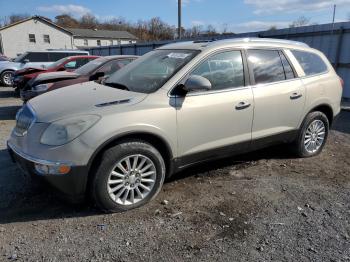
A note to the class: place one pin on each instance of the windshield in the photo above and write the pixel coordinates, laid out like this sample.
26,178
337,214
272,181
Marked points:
150,72
90,67
57,63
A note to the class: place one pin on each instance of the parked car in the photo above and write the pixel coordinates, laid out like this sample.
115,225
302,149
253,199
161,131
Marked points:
176,106
33,59
94,70
69,64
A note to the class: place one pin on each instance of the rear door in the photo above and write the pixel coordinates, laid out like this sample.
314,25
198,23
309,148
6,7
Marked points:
218,121
279,96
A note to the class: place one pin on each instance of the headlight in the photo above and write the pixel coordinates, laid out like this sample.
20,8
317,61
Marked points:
65,130
43,87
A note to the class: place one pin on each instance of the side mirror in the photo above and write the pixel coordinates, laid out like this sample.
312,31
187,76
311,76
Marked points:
97,76
197,83
26,61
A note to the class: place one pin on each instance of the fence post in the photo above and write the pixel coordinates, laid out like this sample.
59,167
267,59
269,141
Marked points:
339,46
121,50
135,49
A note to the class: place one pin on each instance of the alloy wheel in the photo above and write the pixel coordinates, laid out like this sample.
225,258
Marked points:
132,179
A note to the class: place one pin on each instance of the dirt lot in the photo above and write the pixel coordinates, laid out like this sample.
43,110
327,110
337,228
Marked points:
265,206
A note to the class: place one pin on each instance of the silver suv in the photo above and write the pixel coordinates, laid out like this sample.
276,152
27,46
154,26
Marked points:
176,106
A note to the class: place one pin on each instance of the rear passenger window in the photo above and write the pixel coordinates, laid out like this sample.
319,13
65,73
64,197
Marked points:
267,66
311,63
37,57
288,71
224,70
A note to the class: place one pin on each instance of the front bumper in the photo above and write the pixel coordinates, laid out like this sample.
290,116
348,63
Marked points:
72,186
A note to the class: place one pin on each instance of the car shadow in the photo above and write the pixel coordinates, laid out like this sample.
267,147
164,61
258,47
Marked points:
8,94
342,122
8,112
35,201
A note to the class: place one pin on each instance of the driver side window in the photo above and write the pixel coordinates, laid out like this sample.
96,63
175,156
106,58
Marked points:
223,70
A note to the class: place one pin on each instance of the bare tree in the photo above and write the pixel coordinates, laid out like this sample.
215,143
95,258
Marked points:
66,20
89,21
301,21
272,28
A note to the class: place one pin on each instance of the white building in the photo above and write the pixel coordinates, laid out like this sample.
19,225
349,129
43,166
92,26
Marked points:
39,34
93,37
33,34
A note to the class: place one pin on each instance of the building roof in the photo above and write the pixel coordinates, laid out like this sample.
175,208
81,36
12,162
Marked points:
39,18
95,33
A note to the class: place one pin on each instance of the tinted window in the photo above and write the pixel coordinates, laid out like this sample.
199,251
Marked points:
57,56
91,66
113,66
310,62
288,71
224,70
37,57
267,66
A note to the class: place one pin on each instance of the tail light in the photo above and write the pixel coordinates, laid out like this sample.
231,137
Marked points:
341,82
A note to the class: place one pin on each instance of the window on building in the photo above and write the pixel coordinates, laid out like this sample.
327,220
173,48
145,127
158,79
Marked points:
130,42
99,42
47,39
223,70
311,63
119,42
267,66
86,43
32,38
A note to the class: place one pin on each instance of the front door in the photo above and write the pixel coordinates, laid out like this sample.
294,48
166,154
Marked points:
217,121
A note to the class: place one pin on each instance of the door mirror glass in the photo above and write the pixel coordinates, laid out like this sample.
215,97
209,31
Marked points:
197,83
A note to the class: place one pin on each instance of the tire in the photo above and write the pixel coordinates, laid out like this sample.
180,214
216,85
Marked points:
305,145
102,192
6,78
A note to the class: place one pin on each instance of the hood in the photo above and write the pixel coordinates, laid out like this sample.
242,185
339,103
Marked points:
86,98
10,65
54,77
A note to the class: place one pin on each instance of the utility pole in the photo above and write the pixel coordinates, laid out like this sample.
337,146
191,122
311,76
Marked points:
179,19
334,8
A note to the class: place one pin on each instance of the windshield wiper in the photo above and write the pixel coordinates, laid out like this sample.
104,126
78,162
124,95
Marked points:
117,85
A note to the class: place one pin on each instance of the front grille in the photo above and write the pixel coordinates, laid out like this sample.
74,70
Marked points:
24,119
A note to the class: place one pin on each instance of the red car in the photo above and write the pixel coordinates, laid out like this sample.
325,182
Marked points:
71,63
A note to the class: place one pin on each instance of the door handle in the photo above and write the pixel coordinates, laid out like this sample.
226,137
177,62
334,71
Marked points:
242,105
295,96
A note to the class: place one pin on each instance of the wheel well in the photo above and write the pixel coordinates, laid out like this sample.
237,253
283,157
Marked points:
327,110
154,140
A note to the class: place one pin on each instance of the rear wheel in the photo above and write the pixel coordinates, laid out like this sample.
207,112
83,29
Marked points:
312,135
6,78
130,175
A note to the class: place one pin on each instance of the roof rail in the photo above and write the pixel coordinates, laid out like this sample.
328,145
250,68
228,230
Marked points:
267,40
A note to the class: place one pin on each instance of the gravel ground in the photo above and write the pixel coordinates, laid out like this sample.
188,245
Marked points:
264,206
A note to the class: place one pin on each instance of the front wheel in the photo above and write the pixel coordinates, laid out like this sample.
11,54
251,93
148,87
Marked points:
313,135
6,78
130,175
